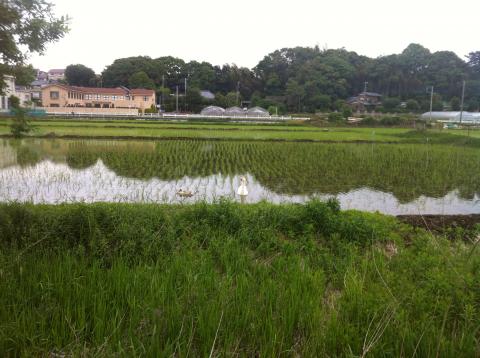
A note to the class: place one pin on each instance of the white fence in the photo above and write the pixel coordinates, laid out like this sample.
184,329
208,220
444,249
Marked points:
166,116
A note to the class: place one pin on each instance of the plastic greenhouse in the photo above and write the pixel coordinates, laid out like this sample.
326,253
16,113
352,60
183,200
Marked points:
257,112
235,112
467,117
213,111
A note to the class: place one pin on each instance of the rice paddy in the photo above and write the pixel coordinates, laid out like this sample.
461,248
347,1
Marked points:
392,179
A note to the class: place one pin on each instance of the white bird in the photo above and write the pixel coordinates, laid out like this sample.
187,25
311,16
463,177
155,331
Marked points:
242,189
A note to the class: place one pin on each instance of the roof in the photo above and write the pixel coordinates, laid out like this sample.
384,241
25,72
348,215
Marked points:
371,94
57,70
207,94
142,92
39,83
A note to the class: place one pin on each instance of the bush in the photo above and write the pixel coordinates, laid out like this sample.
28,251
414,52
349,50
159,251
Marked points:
335,117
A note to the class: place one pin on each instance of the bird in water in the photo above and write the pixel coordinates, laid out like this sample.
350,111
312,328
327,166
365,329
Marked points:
242,189
185,193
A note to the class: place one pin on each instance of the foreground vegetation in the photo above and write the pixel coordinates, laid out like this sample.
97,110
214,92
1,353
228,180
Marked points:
226,279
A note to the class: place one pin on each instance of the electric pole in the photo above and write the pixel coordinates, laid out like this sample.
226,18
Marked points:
461,104
185,94
365,84
238,92
176,102
431,102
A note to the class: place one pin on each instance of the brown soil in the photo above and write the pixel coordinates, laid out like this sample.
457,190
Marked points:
439,223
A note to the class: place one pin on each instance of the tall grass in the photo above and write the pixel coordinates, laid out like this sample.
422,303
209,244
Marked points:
231,280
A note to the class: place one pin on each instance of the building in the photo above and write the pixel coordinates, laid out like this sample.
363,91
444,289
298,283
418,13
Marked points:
8,91
213,111
257,112
57,95
56,75
42,75
365,101
24,95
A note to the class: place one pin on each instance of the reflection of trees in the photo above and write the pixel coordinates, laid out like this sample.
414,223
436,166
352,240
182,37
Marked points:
407,171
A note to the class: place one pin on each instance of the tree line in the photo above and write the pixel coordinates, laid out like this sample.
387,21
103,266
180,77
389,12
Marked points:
302,79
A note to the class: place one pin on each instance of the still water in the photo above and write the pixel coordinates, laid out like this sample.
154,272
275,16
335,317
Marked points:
392,179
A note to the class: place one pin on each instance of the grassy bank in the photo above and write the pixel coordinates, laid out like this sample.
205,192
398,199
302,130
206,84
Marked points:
227,279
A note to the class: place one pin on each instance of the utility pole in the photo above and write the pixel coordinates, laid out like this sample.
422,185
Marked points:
176,106
185,94
238,92
365,84
163,89
431,102
461,104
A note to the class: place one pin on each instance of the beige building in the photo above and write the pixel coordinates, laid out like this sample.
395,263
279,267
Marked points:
57,95
8,90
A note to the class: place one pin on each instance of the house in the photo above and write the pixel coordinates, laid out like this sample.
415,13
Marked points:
8,91
58,95
365,101
56,75
24,94
42,75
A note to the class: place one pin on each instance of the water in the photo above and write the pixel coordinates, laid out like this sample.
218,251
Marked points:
388,178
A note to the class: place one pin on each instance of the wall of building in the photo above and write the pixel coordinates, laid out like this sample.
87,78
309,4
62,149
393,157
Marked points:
8,90
90,111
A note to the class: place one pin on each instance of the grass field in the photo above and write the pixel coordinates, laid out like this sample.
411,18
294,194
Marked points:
231,280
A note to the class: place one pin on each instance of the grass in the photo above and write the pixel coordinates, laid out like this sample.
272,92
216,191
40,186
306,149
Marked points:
231,280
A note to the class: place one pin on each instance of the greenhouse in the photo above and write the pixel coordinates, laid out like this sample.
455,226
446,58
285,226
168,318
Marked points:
257,112
467,117
235,112
213,111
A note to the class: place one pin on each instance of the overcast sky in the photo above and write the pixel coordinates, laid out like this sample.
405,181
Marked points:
243,32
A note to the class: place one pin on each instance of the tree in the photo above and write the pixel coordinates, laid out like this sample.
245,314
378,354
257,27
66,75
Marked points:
20,125
26,26
455,104
412,105
141,80
79,75
391,104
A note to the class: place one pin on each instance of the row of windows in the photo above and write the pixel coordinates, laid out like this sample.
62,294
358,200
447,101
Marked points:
75,95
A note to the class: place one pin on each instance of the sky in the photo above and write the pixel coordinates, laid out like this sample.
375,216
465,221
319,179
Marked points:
243,32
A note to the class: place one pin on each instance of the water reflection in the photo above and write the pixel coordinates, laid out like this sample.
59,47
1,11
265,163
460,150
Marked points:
49,182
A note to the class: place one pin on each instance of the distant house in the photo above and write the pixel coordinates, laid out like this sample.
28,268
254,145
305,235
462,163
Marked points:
57,95
24,94
8,91
42,75
365,101
206,94
56,75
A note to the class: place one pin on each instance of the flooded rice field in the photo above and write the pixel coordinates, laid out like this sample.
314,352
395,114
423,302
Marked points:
392,179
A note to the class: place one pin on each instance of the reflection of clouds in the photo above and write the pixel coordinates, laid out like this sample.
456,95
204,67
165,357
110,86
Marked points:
48,182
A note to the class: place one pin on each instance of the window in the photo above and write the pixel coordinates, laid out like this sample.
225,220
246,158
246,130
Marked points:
54,95
105,98
114,98
97,96
145,98
120,98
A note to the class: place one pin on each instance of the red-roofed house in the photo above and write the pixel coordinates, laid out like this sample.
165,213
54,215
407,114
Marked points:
57,95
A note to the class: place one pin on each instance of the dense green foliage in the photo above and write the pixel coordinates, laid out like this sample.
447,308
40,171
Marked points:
26,26
227,279
79,75
303,79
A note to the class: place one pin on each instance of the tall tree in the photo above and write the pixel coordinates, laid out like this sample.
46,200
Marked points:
79,75
141,80
26,26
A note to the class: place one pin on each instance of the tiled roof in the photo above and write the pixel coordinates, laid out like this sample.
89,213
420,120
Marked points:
142,92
